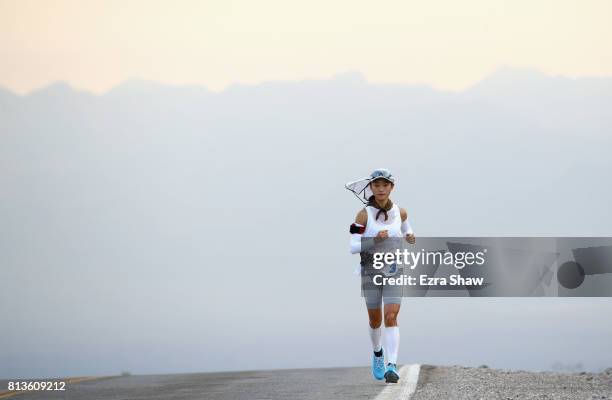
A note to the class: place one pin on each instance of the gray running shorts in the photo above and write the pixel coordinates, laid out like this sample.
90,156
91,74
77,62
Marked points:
375,294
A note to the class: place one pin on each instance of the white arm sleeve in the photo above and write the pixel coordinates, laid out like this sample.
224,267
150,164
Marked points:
406,228
356,243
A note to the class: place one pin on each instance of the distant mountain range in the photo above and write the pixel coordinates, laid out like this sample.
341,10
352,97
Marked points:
519,143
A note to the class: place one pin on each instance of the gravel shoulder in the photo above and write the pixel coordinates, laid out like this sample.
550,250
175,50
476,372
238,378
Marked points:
456,382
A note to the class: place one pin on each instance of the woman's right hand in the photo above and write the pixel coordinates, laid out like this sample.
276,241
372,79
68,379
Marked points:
381,235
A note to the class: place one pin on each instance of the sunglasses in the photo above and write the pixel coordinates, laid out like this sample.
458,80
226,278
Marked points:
382,173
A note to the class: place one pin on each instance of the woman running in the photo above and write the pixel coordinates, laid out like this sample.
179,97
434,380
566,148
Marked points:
379,220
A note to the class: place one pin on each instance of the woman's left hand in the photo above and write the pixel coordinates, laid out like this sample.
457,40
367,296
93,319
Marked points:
410,238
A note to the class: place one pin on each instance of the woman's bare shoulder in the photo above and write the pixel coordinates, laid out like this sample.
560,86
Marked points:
362,217
403,213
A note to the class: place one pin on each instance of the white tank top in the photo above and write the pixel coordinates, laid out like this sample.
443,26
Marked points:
393,223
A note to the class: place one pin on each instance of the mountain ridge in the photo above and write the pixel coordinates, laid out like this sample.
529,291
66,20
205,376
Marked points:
500,77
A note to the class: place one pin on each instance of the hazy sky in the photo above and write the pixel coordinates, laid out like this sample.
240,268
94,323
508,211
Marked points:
449,44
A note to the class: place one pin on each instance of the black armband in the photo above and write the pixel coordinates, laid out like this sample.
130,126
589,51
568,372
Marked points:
357,229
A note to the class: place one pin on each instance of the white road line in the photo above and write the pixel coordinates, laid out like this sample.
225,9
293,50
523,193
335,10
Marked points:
409,376
411,379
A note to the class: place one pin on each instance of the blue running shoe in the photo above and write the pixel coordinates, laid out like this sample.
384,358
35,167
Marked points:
391,375
378,366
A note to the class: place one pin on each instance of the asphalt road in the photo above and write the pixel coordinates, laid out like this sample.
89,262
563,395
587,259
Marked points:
337,383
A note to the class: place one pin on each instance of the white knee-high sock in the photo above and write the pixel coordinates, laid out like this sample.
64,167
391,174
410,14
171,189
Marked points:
392,338
375,337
